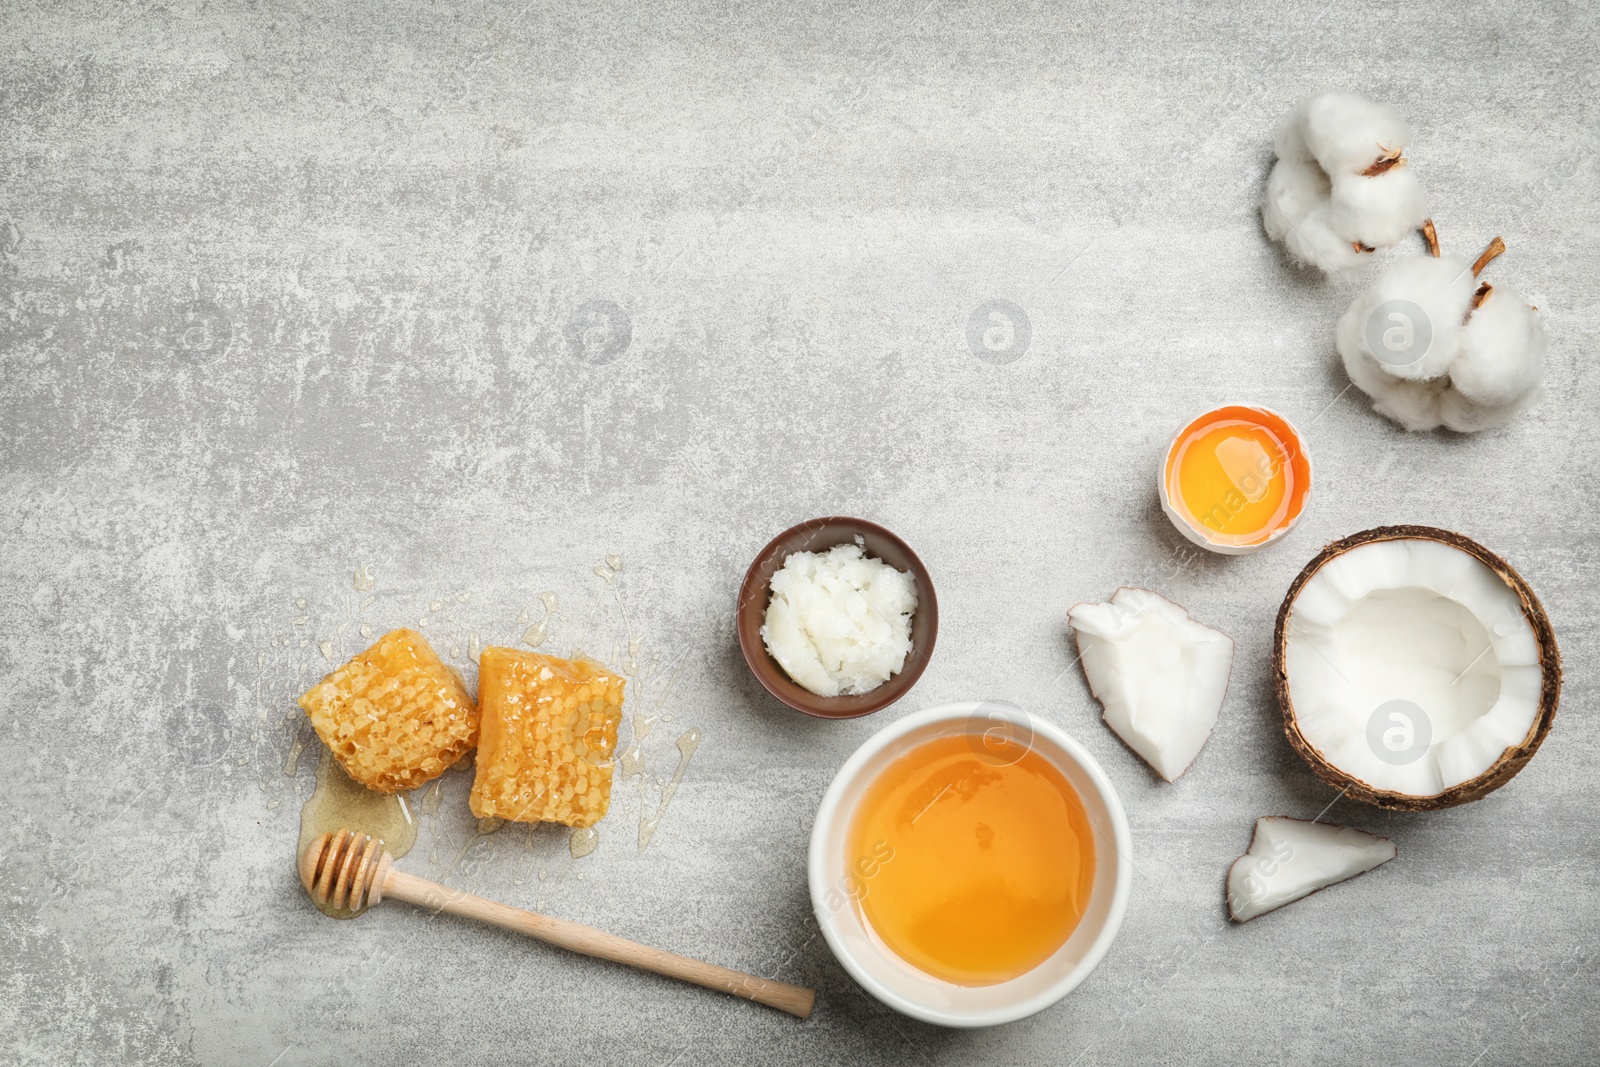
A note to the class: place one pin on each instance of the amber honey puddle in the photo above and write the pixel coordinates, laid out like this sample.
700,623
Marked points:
339,803
973,867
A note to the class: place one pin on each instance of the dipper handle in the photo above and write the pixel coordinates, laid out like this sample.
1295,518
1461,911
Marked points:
350,869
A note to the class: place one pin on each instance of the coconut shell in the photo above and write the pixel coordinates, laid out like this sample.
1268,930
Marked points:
1509,763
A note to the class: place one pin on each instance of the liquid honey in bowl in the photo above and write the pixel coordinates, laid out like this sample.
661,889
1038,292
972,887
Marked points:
971,861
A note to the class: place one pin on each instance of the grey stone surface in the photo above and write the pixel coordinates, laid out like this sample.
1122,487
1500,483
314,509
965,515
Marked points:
478,294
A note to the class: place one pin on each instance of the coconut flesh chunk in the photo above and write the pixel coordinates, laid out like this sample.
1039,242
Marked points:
1158,673
1292,858
1411,666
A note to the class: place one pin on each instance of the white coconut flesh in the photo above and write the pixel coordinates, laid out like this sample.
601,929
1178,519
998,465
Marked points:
1411,665
1160,675
1293,858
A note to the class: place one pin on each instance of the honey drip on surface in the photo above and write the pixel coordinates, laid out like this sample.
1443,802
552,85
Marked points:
688,744
631,762
291,763
534,635
340,802
583,841
431,796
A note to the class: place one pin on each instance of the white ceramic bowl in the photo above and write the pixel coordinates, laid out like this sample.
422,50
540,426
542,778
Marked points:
902,986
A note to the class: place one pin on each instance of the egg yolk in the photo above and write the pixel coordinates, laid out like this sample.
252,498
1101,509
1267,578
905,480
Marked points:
972,861
1235,477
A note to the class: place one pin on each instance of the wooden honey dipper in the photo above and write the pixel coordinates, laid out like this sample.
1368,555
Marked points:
348,869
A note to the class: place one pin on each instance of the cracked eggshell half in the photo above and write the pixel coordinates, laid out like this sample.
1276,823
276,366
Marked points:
1235,479
1416,670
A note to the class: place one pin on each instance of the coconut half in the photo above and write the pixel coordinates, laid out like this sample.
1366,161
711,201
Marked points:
1416,670
1158,673
1293,858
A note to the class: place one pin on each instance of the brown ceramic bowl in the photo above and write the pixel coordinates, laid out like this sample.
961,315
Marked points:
819,535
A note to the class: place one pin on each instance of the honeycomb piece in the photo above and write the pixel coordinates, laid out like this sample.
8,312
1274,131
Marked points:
394,716
549,730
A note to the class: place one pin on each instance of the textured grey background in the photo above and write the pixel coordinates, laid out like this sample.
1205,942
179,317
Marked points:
285,289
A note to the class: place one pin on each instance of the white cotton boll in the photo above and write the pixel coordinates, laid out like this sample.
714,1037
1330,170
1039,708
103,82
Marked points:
1294,212
1500,370
1408,321
1320,203
1289,141
1468,416
1347,133
1414,343
1502,351
1293,189
1315,242
1304,231
1415,406
1464,415
1358,362
1378,211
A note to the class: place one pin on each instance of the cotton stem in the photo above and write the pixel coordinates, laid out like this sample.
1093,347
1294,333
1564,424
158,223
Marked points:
1496,247
1431,235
